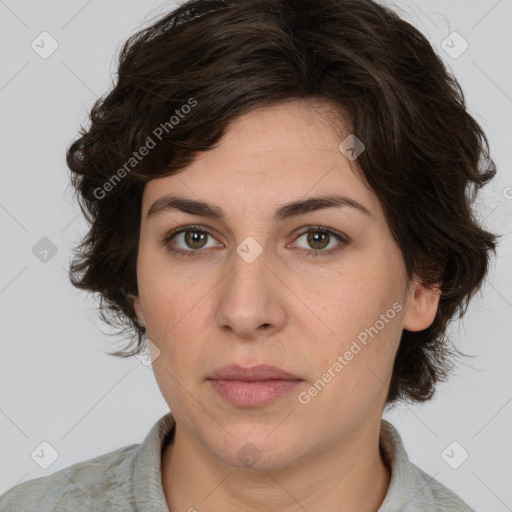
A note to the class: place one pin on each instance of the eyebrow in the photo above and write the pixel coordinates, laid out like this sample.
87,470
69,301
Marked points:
293,209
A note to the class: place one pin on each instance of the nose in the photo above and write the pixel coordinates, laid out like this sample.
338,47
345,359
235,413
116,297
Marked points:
251,299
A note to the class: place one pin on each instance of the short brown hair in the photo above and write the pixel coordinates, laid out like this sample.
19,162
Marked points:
425,156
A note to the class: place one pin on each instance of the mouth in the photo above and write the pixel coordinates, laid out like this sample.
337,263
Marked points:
255,386
260,372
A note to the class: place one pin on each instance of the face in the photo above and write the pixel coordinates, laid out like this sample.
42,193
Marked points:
318,292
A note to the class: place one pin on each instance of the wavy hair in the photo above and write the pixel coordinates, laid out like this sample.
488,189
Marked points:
183,79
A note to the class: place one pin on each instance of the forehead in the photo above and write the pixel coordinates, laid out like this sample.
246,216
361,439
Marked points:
270,156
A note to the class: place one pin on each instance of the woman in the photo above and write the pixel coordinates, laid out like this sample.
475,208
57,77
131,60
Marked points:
278,209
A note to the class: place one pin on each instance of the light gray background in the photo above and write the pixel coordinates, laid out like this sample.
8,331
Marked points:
57,385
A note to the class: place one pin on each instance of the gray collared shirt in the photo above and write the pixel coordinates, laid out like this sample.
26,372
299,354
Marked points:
129,479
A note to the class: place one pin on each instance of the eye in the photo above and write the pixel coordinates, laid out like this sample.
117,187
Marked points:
194,238
320,239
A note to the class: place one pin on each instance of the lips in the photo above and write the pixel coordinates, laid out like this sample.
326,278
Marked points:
261,372
256,386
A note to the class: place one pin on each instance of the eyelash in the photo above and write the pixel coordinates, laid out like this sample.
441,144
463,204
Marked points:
310,253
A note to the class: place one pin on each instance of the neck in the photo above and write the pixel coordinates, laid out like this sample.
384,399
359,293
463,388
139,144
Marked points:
351,476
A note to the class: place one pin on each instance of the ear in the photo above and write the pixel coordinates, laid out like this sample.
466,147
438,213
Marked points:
422,306
137,308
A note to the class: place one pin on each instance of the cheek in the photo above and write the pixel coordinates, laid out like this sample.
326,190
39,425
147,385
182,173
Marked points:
156,292
355,301
174,309
364,317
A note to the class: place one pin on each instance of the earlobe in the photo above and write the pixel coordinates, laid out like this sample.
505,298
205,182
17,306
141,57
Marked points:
422,307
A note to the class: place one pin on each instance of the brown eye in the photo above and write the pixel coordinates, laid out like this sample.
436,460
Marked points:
189,241
195,239
321,241
318,239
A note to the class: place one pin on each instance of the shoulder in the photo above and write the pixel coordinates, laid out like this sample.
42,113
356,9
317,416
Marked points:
411,489
94,484
436,493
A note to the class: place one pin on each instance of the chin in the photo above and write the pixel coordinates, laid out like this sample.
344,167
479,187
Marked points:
254,449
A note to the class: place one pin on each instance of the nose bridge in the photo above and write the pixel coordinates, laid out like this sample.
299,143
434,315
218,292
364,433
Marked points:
248,297
250,262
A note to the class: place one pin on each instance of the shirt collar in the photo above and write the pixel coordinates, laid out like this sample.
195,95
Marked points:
147,475
147,478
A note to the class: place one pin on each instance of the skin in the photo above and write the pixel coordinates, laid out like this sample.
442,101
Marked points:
286,309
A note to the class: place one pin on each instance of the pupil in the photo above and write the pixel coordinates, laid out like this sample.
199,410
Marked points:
195,236
313,239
